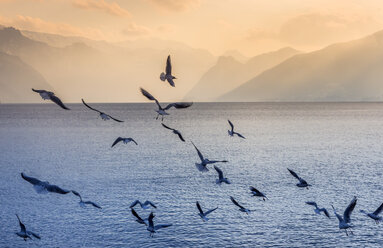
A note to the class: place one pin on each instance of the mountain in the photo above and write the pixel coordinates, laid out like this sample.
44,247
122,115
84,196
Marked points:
349,71
228,73
17,79
236,55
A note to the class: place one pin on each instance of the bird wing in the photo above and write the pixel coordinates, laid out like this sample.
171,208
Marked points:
150,220
56,189
199,207
93,204
90,106
114,119
240,135
231,124
180,136
211,210
168,69
57,100
378,210
39,91
150,96
326,212
116,141
135,203
136,215
312,203
31,180
131,139
220,173
294,174
178,105
162,226
150,203
199,153
216,161
33,234
167,127
76,193
337,215
171,82
235,202
22,226
349,209
255,190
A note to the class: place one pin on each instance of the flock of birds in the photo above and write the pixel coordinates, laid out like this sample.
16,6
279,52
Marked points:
45,187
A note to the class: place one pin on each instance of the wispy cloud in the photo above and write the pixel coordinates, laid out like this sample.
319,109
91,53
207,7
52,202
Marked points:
110,8
175,5
134,30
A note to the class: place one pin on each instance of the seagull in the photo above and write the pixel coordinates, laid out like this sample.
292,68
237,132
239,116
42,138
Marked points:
24,233
175,131
83,203
242,209
167,75
162,111
318,210
139,219
125,140
302,183
144,205
204,161
153,228
221,179
375,215
203,214
44,187
344,222
49,95
103,116
258,193
231,132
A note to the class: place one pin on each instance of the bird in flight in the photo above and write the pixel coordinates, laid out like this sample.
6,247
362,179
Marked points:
175,131
167,75
257,193
318,210
375,215
344,222
231,132
203,214
24,233
204,161
49,95
103,116
302,183
138,218
221,179
241,208
44,187
162,111
153,228
83,203
144,205
125,140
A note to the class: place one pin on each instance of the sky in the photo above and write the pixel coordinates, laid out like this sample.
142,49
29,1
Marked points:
248,26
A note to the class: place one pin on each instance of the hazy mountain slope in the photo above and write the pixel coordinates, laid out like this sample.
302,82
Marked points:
228,74
16,80
350,71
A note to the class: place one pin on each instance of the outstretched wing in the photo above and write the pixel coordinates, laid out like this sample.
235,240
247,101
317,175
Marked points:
150,203
178,105
57,100
378,210
231,124
326,212
220,173
31,180
211,210
150,96
349,209
57,189
22,226
294,174
216,161
116,141
33,234
93,204
39,91
240,135
136,215
311,203
162,226
168,69
135,203
76,193
167,127
131,139
235,202
180,136
255,190
89,106
199,153
199,207
115,119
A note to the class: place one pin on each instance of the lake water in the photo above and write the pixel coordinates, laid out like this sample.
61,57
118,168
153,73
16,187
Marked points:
337,147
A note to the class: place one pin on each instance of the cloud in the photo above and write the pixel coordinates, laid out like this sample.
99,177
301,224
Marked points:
175,5
110,8
134,30
39,25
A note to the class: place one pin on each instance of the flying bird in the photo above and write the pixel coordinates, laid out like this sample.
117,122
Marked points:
44,187
103,116
175,131
24,233
221,179
344,222
83,203
138,218
49,95
125,140
302,183
204,161
231,132
144,205
375,215
162,111
203,214
153,228
167,75
318,210
257,193
241,208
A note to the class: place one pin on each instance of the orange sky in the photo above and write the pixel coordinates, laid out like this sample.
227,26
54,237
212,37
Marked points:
249,26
